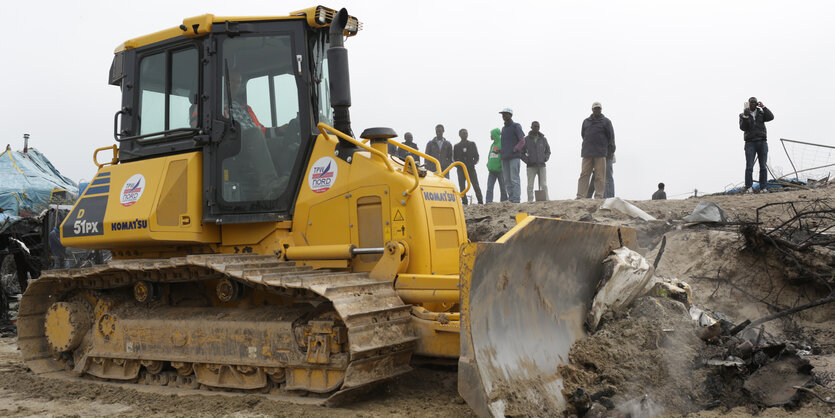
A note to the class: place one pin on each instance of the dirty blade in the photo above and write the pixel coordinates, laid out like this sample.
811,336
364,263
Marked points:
524,299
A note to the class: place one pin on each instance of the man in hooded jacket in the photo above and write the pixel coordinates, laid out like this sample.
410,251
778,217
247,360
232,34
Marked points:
535,154
494,166
598,141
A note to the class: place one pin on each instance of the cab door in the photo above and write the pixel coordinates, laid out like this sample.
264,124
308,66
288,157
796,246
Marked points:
264,108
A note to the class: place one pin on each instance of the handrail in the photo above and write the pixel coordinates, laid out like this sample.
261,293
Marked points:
466,175
122,111
410,161
161,136
322,128
418,152
113,161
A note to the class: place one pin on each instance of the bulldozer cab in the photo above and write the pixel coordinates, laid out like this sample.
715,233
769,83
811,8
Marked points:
247,93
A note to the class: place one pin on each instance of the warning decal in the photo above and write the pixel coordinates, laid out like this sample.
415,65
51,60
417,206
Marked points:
398,227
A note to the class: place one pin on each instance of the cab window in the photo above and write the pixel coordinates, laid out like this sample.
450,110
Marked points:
262,83
168,89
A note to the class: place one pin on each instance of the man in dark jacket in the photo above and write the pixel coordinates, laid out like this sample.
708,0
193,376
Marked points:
752,121
660,194
598,140
467,152
535,154
439,148
409,142
513,140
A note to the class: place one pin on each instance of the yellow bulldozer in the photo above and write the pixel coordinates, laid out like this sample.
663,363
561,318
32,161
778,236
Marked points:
259,246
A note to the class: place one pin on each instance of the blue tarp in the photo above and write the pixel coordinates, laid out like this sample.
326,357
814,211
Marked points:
28,181
772,185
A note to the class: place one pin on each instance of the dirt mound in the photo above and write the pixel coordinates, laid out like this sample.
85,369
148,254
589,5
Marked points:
652,352
653,358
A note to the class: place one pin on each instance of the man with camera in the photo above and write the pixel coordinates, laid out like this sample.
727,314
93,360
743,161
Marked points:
752,121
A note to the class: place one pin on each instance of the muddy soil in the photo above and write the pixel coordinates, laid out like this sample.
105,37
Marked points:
424,392
650,352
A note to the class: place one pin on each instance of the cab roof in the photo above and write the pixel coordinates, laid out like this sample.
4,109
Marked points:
198,26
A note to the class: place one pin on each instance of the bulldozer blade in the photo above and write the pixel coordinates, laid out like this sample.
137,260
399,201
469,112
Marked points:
524,300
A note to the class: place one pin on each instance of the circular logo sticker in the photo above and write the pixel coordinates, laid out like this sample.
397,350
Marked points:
132,190
322,175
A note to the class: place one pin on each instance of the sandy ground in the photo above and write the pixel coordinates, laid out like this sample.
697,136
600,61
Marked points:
724,276
424,392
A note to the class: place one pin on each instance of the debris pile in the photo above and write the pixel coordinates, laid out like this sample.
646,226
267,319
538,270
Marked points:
660,358
803,238
734,319
663,354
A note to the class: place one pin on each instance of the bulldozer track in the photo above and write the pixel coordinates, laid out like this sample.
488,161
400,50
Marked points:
380,337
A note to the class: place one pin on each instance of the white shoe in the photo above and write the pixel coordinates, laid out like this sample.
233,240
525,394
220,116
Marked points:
749,190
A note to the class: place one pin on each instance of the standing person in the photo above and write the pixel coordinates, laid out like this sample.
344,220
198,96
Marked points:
535,154
513,140
752,121
597,134
439,148
57,250
494,166
660,194
467,152
409,142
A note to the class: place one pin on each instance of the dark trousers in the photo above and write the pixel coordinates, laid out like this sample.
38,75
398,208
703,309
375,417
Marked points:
757,149
462,183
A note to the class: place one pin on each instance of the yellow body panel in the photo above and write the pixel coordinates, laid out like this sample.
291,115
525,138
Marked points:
320,218
164,209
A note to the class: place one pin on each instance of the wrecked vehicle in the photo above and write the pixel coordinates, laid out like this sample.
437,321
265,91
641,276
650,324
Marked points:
35,198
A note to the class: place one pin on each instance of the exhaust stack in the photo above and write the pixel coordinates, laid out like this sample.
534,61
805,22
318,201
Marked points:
340,86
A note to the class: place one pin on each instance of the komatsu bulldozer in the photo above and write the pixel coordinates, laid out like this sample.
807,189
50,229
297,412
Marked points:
259,246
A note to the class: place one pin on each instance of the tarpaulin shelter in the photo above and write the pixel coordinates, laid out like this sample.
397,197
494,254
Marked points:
28,181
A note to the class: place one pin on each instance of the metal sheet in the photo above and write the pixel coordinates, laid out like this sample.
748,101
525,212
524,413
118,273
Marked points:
523,306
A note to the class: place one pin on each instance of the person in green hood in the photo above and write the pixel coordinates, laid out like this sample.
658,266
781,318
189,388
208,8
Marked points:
494,166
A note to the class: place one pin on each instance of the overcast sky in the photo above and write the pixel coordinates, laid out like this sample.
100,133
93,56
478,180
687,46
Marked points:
672,76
